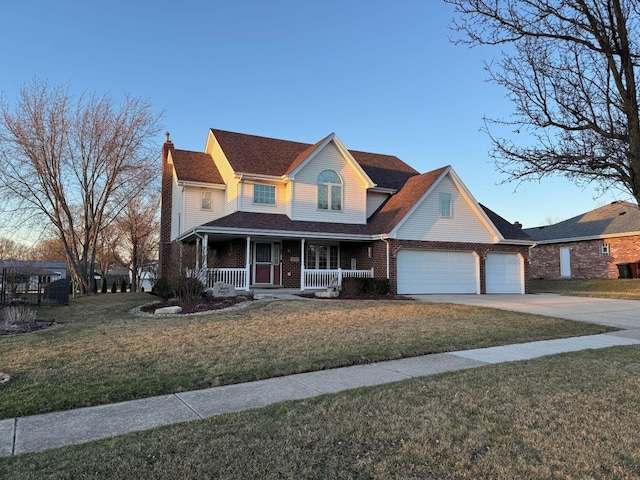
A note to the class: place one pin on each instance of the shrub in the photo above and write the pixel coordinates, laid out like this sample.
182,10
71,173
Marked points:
351,286
187,288
114,287
376,286
123,286
18,315
162,288
103,288
180,287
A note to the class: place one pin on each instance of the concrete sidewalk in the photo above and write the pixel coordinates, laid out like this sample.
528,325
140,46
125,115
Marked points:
52,430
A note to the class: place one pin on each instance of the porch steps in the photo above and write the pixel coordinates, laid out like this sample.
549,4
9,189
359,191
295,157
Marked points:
275,291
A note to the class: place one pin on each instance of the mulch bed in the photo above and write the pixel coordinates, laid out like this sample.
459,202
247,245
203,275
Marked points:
28,327
360,296
203,304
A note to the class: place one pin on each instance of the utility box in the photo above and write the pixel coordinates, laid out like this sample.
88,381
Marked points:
624,270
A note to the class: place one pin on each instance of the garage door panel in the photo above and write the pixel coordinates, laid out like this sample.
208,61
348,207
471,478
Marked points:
504,273
429,271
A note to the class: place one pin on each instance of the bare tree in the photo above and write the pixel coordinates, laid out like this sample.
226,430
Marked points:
49,249
10,249
139,226
64,160
571,68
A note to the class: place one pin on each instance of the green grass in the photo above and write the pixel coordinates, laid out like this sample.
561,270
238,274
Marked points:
570,416
623,288
103,354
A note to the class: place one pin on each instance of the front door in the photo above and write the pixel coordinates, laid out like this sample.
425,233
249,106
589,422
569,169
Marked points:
565,262
263,263
266,263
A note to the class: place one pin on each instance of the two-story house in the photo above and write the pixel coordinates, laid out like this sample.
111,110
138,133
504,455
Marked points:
263,212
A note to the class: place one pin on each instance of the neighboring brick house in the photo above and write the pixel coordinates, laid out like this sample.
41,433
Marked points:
602,243
263,212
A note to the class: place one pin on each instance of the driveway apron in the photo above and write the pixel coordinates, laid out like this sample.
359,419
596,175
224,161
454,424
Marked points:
624,314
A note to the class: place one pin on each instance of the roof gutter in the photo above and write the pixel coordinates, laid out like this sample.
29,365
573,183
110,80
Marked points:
198,231
590,237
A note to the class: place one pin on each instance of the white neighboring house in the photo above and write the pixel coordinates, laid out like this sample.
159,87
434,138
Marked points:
24,275
147,276
263,212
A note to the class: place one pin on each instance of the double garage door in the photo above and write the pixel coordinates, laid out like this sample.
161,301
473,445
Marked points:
437,271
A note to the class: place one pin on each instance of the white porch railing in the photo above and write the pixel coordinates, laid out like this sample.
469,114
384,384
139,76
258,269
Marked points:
232,276
325,278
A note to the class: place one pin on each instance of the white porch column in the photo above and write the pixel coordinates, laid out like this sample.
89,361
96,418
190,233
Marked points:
302,285
205,252
247,264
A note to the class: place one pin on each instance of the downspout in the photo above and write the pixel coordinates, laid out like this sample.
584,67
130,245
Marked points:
302,274
198,243
388,254
247,264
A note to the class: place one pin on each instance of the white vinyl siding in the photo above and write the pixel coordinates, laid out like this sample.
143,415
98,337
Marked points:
264,194
194,215
305,191
425,223
219,159
435,271
233,192
504,273
248,205
374,200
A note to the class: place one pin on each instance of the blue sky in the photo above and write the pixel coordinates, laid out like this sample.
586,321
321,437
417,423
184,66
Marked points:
382,75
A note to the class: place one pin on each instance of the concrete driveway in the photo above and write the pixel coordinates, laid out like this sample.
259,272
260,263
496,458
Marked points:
623,314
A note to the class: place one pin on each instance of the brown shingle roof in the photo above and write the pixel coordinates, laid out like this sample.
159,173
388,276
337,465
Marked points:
399,204
508,230
617,218
273,221
270,156
195,167
258,155
386,171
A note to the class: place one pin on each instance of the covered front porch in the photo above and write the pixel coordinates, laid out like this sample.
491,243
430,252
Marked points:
258,262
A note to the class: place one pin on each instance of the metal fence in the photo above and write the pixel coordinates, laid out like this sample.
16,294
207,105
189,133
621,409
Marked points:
19,287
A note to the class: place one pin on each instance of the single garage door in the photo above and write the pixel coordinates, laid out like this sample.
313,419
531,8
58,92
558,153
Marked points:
431,271
504,273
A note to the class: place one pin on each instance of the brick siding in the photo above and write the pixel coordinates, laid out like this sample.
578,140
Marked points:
585,258
165,248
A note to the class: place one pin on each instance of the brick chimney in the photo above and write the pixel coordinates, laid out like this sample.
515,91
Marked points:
165,208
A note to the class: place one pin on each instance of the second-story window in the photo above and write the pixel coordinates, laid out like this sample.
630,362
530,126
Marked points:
445,205
265,194
206,200
329,191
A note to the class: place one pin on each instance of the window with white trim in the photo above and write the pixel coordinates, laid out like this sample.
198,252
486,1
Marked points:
265,194
605,249
445,205
329,191
205,203
322,257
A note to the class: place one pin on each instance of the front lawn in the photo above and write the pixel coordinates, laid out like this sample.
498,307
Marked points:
103,354
622,288
570,416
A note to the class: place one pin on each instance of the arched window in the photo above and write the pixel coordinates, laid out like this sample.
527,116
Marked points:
329,191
